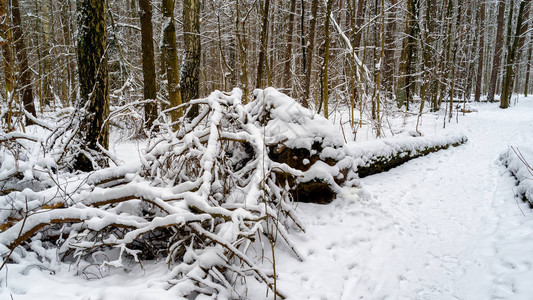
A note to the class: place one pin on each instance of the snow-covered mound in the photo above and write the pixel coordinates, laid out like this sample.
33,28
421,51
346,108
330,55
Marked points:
290,124
519,161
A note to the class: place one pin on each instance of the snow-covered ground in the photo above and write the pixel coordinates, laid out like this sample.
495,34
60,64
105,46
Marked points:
444,226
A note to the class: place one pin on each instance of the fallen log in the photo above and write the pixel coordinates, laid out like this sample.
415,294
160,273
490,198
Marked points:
383,155
329,168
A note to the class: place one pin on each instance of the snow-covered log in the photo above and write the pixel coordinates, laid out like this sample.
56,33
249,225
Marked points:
325,168
518,160
382,155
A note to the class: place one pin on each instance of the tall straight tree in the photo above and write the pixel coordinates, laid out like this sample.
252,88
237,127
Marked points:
24,81
359,19
528,70
190,70
147,44
508,79
7,51
521,43
288,52
481,50
263,46
325,84
94,82
171,59
404,91
497,51
387,81
309,54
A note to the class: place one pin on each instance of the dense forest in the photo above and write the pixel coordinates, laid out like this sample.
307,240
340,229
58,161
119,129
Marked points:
371,56
236,109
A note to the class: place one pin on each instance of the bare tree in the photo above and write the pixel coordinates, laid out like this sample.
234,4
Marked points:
94,82
24,82
190,70
263,46
481,51
171,58
148,59
497,51
309,53
508,79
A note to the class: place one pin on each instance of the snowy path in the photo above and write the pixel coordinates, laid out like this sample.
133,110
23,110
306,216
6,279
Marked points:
445,226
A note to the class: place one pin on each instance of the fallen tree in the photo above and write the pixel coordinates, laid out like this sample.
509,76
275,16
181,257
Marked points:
203,197
517,160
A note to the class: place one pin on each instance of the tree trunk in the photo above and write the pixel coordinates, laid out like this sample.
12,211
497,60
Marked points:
497,51
190,70
70,90
263,46
326,60
359,19
404,91
310,50
243,50
171,59
528,70
93,76
24,80
508,79
148,59
522,40
302,36
288,51
388,63
7,50
481,46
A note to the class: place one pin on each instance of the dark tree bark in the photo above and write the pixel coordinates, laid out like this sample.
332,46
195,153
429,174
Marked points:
93,77
7,50
432,31
528,70
309,57
404,91
263,46
24,80
387,82
242,43
171,59
481,46
288,51
149,75
522,40
190,70
508,79
497,51
325,84
69,79
359,19
302,35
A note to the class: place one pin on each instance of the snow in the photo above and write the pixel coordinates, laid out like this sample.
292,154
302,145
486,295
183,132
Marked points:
519,161
443,226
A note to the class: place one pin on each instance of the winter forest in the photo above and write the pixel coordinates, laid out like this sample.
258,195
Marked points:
266,149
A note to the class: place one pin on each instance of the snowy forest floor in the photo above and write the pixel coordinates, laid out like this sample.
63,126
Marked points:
444,226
